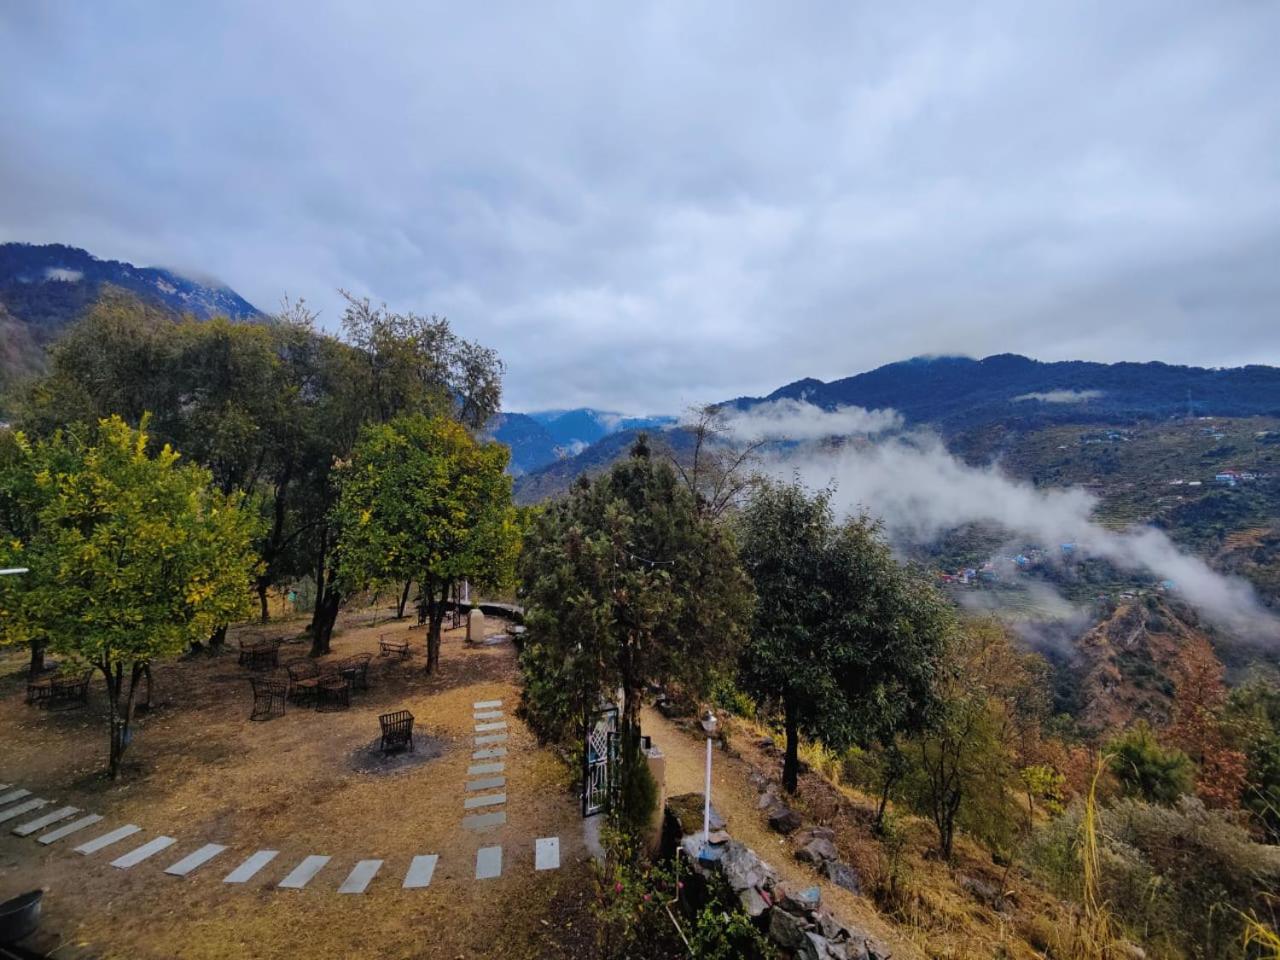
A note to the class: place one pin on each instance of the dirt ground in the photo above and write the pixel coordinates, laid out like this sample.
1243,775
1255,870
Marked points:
305,783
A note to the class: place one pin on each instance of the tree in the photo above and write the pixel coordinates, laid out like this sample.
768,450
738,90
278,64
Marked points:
967,760
132,557
1148,770
712,463
845,642
1252,720
1199,699
422,500
625,584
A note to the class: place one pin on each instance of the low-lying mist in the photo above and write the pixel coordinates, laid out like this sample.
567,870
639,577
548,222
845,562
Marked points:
918,489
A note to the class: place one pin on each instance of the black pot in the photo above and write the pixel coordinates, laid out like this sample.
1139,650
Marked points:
20,916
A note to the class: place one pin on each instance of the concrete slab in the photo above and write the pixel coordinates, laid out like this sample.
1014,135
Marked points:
244,873
487,715
35,803
486,704
420,872
107,839
360,875
67,829
13,795
192,860
31,826
546,853
490,753
488,863
138,854
479,769
489,783
491,738
489,800
482,821
487,727
301,875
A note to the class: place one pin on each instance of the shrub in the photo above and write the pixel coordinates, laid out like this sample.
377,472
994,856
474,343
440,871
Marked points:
1147,770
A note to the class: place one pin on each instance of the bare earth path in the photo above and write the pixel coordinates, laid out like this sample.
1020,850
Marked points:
303,784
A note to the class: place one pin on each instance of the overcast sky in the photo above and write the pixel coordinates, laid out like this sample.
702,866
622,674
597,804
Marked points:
653,205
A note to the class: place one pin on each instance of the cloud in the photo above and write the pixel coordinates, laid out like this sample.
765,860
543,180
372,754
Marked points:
788,419
62,274
919,489
1061,396
639,217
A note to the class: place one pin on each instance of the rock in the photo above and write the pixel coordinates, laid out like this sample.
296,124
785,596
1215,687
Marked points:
817,851
798,900
475,625
753,902
814,947
766,744
717,837
830,927
872,949
758,780
743,869
769,798
983,892
785,820
787,930
843,875
686,810
810,833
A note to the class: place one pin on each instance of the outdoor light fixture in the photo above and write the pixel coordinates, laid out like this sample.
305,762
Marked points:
710,726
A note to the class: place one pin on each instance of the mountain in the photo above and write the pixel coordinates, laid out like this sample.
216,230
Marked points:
957,393
45,288
545,437
532,445
979,404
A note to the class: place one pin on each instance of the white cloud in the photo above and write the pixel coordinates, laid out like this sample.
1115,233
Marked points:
62,274
787,419
1061,396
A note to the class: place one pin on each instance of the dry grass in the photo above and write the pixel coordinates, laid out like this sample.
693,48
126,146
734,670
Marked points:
304,783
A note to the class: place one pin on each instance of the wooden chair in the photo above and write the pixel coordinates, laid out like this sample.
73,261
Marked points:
269,697
356,670
390,646
397,731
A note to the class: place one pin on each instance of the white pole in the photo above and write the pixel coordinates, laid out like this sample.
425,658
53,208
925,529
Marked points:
11,570
706,807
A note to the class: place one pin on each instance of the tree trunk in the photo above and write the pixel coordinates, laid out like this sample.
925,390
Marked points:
262,600
218,639
325,617
321,575
791,759
435,621
37,659
404,598
121,721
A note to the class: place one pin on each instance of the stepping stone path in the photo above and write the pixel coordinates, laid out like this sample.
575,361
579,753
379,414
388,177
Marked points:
487,772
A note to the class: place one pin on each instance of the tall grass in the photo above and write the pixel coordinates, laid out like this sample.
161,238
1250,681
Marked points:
1093,936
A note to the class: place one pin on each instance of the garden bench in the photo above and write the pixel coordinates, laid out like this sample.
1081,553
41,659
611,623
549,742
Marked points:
397,731
389,646
356,670
60,689
269,697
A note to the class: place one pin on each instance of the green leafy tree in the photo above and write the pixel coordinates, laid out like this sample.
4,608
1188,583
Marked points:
845,642
421,499
132,557
625,584
1252,719
1148,770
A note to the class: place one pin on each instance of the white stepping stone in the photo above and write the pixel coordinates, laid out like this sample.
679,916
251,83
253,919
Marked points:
490,800
491,738
301,875
35,803
478,769
31,826
486,727
70,828
486,704
487,715
489,754
193,860
546,853
115,836
148,849
482,821
360,875
244,873
488,863
488,784
13,795
420,872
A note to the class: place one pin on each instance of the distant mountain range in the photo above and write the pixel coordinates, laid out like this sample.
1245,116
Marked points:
45,288
965,399
545,437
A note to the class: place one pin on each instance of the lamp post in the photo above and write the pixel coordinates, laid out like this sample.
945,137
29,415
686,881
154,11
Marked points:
709,725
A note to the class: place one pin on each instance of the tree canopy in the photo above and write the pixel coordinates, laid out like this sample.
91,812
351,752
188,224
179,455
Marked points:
132,556
845,642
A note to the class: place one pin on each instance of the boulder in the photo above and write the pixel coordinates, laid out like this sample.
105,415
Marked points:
814,947
785,820
787,930
475,625
817,851
686,810
843,875
798,900
768,798
753,902
810,833
743,869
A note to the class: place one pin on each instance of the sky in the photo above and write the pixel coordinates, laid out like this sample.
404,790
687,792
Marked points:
645,206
